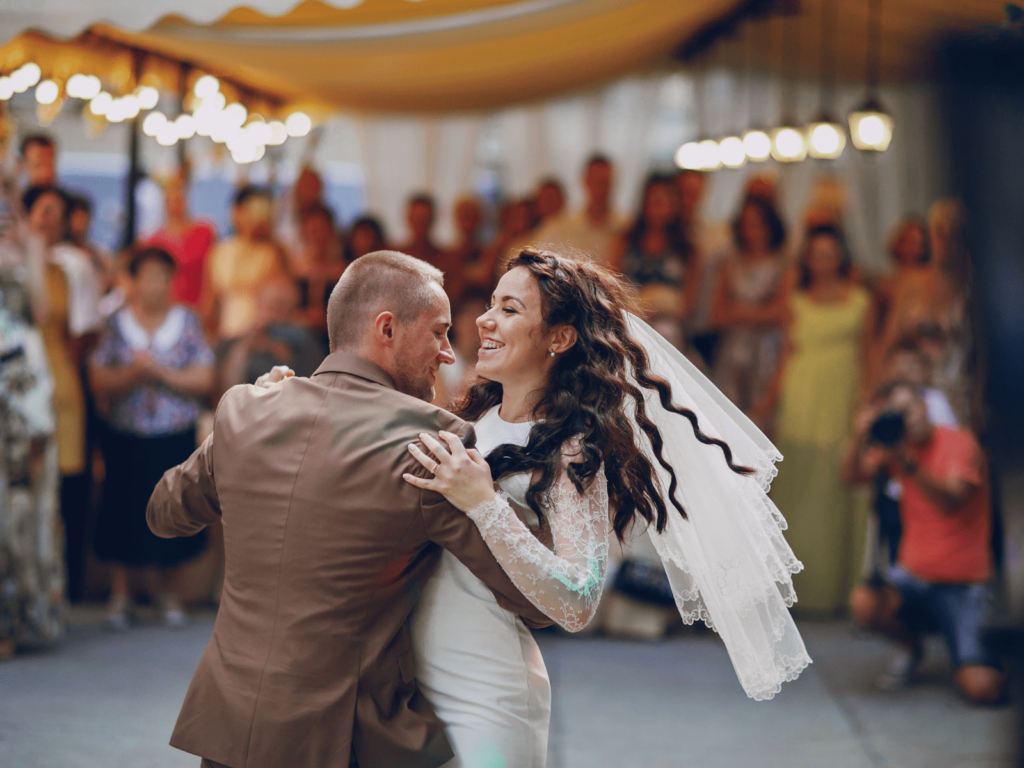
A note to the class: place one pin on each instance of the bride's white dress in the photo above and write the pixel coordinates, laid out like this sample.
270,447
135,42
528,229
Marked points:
477,663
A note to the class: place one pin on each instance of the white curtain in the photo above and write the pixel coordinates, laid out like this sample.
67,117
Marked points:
638,123
403,156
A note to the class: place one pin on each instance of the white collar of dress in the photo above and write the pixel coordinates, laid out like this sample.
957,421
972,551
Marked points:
162,339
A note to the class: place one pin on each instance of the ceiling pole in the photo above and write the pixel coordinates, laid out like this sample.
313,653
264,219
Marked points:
134,170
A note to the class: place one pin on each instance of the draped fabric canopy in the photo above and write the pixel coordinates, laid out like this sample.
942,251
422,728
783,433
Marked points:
441,55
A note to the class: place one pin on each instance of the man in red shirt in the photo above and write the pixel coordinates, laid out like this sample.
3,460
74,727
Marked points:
944,562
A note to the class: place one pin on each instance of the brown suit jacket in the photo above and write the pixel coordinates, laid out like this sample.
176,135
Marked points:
327,549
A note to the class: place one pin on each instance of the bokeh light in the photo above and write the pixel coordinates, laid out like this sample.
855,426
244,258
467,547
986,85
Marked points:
298,124
47,92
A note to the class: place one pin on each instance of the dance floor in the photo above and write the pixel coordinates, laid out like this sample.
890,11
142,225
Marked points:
109,701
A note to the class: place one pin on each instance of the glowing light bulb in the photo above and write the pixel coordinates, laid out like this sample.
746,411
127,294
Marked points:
278,133
244,154
215,102
730,150
871,127
788,145
6,88
206,86
709,158
688,156
73,87
153,123
186,126
224,129
47,92
130,106
259,132
235,113
167,136
101,103
757,145
116,112
298,124
826,139
25,76
90,88
148,96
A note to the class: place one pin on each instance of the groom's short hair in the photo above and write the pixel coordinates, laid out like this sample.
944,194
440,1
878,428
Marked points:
382,281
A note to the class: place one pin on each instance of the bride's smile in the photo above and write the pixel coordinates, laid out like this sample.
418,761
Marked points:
517,348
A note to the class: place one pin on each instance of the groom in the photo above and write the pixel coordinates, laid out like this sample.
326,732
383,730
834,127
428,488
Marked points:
327,548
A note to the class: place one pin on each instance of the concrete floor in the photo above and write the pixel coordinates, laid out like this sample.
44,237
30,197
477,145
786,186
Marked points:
110,701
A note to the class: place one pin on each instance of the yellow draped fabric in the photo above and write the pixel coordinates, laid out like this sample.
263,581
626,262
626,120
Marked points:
440,55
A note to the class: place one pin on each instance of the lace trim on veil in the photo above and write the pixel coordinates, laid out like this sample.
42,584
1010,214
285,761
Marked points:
728,563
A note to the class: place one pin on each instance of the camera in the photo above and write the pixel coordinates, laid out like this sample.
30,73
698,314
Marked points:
888,429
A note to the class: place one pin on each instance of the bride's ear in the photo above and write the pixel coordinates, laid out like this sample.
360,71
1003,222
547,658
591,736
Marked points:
562,339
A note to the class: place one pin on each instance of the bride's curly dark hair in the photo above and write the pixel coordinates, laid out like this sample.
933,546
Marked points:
586,397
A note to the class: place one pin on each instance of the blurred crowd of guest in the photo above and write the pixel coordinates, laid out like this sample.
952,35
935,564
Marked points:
133,348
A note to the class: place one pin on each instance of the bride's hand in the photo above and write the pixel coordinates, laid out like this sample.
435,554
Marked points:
463,477
276,374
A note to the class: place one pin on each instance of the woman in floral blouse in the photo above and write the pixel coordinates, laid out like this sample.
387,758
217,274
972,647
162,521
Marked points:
149,374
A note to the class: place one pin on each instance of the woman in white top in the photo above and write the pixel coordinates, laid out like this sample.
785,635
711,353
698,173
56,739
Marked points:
574,414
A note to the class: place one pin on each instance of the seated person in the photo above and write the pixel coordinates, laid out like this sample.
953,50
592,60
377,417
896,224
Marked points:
944,561
276,339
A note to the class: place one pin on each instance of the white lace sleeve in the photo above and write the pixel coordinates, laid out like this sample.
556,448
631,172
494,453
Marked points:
565,584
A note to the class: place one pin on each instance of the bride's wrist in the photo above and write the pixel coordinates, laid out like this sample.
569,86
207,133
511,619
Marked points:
481,509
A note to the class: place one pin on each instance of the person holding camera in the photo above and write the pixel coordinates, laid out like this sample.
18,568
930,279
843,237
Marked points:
944,561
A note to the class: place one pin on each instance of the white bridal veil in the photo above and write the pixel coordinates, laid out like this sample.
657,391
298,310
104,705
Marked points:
728,563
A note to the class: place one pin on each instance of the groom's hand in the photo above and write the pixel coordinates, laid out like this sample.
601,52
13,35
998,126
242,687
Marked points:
462,476
275,375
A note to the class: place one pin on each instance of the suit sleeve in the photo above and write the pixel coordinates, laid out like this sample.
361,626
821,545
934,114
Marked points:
453,530
185,500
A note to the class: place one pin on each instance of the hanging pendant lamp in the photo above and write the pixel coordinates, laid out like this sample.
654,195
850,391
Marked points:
870,124
789,142
826,137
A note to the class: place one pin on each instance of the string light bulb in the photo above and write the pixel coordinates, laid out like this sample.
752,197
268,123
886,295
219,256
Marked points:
826,139
731,152
47,92
153,123
206,86
687,156
757,145
101,103
298,124
871,127
789,144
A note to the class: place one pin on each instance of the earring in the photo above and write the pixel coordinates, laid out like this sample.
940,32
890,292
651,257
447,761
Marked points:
551,353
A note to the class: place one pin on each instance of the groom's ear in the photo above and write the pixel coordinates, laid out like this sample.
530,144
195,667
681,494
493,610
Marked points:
384,328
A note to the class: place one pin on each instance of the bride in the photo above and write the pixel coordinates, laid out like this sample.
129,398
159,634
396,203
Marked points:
591,425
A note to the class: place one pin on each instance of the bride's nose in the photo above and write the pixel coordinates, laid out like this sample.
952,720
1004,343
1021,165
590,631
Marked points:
485,320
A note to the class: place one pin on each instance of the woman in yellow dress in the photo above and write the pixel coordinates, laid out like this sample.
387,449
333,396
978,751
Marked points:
817,387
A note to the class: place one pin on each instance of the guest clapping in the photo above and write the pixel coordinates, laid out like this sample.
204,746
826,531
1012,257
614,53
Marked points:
149,374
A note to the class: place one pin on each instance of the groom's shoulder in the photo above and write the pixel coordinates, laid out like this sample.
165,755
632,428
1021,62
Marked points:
410,413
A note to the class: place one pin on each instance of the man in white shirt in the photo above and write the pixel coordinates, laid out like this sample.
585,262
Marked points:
594,229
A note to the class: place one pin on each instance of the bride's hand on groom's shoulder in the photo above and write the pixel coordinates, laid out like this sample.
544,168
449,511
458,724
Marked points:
462,476
275,375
